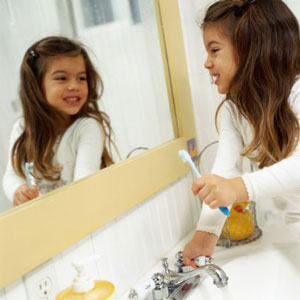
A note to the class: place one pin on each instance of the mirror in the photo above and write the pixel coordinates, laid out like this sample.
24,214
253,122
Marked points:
123,41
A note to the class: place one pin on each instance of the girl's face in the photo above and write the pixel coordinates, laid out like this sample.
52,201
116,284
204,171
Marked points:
221,59
65,84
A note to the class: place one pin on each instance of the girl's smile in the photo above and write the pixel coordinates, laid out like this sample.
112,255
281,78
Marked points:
65,84
221,59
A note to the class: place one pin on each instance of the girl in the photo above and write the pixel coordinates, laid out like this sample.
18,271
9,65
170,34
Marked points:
253,51
62,132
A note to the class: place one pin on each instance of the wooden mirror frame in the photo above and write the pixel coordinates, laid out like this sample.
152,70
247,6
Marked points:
36,231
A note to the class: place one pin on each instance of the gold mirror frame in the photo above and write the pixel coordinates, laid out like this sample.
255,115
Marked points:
35,232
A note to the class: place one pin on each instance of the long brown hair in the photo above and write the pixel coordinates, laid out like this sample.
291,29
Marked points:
41,121
266,38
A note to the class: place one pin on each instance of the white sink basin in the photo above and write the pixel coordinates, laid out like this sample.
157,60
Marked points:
260,270
266,269
262,273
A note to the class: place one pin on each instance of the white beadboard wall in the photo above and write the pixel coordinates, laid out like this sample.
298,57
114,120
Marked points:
204,94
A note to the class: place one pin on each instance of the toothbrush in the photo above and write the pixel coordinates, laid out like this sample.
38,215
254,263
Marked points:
187,158
28,168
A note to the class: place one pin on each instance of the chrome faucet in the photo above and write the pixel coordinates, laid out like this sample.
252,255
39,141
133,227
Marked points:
173,278
174,285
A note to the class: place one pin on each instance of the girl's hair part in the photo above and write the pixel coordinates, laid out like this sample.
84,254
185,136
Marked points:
43,123
266,38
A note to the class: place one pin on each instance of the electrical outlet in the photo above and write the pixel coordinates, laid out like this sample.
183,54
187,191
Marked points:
41,283
44,288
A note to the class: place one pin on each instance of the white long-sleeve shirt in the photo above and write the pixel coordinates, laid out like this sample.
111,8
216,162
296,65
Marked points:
281,180
78,152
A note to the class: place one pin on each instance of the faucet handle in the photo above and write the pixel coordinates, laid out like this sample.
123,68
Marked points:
180,267
140,290
199,261
165,264
178,257
203,260
158,279
161,291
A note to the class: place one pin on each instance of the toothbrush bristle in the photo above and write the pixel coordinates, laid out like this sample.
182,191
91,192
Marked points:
181,154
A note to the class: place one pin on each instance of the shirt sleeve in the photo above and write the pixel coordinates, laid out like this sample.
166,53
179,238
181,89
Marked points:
280,178
228,164
11,181
90,145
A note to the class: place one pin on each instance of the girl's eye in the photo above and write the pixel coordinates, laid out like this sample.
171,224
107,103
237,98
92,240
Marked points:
214,50
60,78
82,78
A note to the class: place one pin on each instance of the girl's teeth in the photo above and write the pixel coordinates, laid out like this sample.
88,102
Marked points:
216,77
71,99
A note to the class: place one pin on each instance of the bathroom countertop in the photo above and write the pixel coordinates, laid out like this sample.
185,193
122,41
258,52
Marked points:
268,268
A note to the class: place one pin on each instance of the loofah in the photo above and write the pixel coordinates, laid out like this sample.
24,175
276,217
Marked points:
241,227
240,224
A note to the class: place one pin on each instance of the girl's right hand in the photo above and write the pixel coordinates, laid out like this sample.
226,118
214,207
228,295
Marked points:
23,194
203,243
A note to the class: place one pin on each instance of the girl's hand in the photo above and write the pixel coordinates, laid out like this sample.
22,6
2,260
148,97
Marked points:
203,243
23,194
218,191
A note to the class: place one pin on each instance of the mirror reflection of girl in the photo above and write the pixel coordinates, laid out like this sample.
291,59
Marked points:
62,131
253,51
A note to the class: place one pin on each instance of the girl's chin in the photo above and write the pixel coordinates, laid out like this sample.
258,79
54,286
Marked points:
222,90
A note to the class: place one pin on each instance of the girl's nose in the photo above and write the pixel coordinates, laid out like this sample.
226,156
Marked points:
208,63
72,86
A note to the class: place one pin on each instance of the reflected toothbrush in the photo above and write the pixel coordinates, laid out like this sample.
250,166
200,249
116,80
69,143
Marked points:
28,169
187,158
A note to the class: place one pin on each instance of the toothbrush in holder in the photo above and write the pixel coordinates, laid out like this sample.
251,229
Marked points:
187,158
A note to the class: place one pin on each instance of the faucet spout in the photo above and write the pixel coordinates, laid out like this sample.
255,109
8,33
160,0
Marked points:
174,285
219,277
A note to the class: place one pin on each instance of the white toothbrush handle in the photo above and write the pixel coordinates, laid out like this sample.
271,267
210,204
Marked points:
196,172
27,175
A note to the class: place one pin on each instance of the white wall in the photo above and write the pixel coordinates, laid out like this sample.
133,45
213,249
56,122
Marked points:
204,94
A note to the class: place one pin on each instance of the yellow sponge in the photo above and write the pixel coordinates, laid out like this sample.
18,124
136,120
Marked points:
240,223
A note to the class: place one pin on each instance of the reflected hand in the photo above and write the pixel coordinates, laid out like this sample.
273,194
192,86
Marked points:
23,194
218,191
203,243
